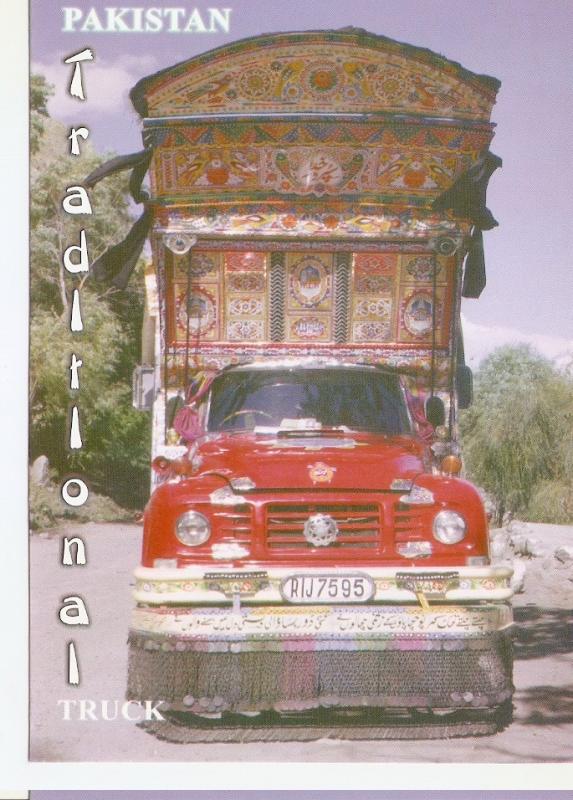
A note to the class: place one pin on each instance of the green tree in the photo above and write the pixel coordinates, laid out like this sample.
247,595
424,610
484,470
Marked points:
109,343
517,434
40,91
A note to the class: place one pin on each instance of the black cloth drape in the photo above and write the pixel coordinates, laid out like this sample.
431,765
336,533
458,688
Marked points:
138,162
474,274
467,196
118,262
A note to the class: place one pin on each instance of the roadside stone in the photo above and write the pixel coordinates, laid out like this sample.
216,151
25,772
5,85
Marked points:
535,547
564,554
39,471
516,526
517,581
499,544
518,542
523,543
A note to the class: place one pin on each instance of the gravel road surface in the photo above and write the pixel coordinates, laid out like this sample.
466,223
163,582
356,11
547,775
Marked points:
542,730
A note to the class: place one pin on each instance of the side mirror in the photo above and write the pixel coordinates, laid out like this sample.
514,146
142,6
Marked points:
143,388
464,386
435,411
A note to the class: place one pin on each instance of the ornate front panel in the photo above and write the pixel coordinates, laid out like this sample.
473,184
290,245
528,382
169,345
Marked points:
305,297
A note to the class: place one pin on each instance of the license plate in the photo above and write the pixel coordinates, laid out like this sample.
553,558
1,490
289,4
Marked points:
349,588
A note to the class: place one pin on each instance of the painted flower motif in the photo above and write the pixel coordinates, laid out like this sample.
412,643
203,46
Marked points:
247,282
414,175
201,264
380,307
422,268
391,86
330,221
289,221
370,331
372,284
291,93
323,80
255,84
245,330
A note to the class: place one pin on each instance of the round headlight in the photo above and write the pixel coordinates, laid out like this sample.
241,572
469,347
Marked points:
192,528
449,527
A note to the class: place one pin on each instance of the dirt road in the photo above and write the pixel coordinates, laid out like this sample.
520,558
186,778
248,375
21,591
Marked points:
542,730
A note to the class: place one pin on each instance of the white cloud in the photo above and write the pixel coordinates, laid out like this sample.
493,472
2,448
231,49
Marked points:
481,340
106,85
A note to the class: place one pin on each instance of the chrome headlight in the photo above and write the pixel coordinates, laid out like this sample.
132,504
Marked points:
449,527
192,528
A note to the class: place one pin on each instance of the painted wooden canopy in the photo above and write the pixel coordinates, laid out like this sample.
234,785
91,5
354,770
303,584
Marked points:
322,133
348,70
299,184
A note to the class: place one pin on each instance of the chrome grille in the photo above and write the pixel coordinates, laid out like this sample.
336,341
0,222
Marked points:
358,524
235,522
408,523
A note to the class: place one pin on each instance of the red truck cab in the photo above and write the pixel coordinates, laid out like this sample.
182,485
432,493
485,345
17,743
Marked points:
309,519
326,459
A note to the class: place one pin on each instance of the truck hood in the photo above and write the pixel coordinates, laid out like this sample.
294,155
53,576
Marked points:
306,462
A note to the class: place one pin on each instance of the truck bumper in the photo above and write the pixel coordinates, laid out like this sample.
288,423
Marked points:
210,660
261,584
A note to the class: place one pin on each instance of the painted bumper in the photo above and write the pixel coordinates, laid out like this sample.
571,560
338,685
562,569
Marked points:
198,586
266,627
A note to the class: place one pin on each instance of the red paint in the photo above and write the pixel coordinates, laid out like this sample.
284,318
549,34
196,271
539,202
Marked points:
362,476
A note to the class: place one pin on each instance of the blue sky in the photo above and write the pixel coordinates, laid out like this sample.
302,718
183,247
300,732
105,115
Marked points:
524,43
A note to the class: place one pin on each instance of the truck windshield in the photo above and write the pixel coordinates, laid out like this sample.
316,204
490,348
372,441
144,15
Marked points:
353,399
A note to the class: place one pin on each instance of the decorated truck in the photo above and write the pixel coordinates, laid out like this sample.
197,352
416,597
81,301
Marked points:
316,209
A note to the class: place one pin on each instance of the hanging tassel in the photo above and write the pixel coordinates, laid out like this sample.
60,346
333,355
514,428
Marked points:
474,274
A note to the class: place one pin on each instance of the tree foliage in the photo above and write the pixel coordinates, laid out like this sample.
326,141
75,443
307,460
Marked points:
517,436
114,463
40,91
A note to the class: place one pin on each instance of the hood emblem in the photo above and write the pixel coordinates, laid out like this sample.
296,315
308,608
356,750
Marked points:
321,472
320,530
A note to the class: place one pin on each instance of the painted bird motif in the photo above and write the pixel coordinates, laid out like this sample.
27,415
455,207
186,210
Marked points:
432,95
211,90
